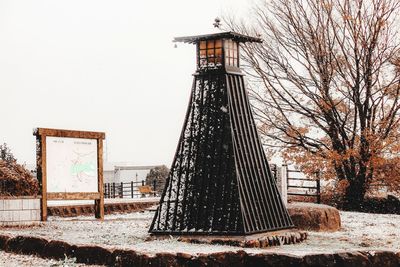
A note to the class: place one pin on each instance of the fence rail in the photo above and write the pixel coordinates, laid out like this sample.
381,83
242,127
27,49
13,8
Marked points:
128,190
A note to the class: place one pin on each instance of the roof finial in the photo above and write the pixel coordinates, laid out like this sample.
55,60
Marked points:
217,23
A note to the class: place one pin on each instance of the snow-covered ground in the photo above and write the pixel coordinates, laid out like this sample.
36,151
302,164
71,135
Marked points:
17,260
360,231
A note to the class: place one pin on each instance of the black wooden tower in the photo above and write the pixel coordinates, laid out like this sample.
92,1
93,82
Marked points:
220,181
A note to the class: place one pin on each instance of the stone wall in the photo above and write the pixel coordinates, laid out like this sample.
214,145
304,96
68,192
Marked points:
109,208
94,254
19,211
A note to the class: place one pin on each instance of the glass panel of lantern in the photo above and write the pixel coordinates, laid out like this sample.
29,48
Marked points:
203,58
203,45
218,52
211,57
210,44
203,54
218,56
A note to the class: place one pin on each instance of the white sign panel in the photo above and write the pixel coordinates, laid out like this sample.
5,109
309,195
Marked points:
71,165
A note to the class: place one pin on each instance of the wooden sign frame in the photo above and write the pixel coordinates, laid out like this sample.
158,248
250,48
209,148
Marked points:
98,197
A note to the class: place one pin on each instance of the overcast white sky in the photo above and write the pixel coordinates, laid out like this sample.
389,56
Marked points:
101,66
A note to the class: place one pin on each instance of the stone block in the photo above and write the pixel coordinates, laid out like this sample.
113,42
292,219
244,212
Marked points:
25,215
3,241
352,259
13,204
26,204
6,216
126,258
316,260
35,204
282,260
384,258
16,215
27,245
35,215
166,259
93,255
58,249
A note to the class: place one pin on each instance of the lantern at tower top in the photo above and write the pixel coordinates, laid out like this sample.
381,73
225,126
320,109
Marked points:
218,50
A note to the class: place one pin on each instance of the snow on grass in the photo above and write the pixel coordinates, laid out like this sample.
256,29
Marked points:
360,231
17,260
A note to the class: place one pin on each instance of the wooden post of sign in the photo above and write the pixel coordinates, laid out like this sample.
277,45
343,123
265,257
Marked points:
41,160
44,180
99,203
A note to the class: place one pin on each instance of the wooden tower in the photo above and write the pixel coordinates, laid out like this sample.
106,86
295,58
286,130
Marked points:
220,181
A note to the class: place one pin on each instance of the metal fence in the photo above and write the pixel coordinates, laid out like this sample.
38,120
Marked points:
128,190
299,184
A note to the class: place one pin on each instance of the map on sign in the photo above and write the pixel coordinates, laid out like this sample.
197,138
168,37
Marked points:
71,165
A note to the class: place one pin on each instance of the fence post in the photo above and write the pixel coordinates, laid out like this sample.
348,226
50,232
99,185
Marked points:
318,187
132,189
113,189
283,185
154,187
142,182
273,171
121,192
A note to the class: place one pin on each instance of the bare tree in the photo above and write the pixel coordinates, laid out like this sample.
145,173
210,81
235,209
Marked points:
325,86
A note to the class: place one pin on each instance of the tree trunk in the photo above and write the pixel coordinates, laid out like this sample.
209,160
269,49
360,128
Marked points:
355,192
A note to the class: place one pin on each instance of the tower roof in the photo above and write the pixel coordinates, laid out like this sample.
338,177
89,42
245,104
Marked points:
229,35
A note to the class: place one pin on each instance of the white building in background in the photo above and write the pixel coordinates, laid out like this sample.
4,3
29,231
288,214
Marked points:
125,172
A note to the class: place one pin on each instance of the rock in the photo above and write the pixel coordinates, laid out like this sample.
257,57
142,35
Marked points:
26,245
58,249
34,245
167,259
219,259
184,259
200,260
254,243
319,260
3,241
125,258
264,243
236,258
282,260
352,259
93,255
316,217
384,258
255,260
146,260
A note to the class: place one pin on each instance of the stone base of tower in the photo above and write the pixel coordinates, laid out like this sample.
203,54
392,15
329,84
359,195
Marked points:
261,240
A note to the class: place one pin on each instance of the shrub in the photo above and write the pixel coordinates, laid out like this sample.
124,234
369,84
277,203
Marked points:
15,179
